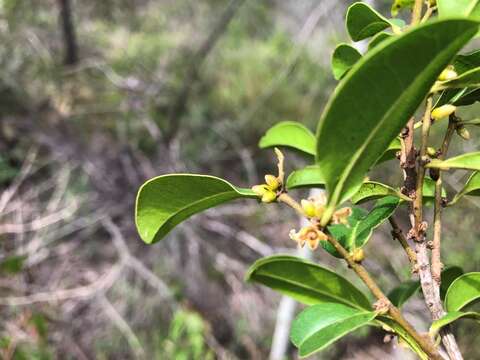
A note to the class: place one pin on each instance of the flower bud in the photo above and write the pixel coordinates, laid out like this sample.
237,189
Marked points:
272,182
463,132
447,74
308,208
269,197
358,255
259,189
431,151
443,111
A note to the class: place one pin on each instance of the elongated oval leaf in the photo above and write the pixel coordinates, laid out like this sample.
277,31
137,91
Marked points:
471,187
356,234
309,176
450,318
464,290
372,190
291,134
305,281
459,8
378,38
320,325
165,201
343,58
376,99
469,161
363,21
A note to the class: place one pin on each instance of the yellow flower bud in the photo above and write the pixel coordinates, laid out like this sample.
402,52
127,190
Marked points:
269,197
447,74
443,111
310,235
341,216
259,189
272,182
463,132
431,151
308,208
358,255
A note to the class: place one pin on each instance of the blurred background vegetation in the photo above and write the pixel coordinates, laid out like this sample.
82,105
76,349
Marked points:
98,96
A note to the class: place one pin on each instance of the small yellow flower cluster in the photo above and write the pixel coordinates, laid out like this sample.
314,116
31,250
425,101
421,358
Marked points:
443,111
268,191
314,208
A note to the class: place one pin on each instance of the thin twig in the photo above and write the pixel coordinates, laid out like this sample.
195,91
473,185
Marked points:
417,12
397,233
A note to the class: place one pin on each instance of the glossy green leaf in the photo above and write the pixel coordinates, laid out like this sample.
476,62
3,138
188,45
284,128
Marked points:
449,318
378,38
372,190
320,325
469,161
459,8
464,290
377,97
449,275
305,281
363,21
400,295
290,134
343,58
165,201
400,331
309,176
391,152
471,187
356,234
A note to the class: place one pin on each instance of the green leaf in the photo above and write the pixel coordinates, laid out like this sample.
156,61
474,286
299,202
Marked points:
290,134
399,295
471,187
320,325
309,176
305,281
363,21
391,152
376,99
459,8
356,234
464,290
343,58
165,201
378,38
449,275
400,331
450,318
372,190
469,161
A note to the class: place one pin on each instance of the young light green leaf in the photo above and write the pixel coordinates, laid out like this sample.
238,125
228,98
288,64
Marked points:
363,21
400,295
459,8
320,325
450,318
165,201
464,290
469,161
290,134
305,281
372,190
471,187
309,176
343,58
378,38
356,234
376,99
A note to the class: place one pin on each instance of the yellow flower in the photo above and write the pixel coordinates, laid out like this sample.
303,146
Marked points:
447,74
260,189
341,216
310,235
308,208
272,182
358,255
443,111
269,197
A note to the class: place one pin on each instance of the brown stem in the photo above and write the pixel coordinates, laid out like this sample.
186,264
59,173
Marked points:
437,233
425,343
397,233
417,12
